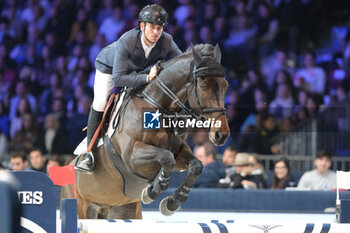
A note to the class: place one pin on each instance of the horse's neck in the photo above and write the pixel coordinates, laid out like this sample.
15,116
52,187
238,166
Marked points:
175,80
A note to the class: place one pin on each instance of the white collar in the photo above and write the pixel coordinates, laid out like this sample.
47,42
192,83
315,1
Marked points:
146,47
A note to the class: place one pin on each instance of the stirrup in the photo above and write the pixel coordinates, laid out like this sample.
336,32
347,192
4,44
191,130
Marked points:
92,167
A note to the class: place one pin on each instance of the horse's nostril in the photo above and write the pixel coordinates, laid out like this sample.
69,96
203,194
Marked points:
218,135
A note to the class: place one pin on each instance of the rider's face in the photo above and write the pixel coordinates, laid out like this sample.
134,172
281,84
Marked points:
151,33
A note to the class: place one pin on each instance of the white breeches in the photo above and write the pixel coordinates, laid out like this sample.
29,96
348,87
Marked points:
103,87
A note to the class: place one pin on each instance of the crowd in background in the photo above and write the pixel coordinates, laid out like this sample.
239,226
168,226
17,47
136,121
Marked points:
285,60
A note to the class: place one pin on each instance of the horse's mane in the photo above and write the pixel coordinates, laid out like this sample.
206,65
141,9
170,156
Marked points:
205,50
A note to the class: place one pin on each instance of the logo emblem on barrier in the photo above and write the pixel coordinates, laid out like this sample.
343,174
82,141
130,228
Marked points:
265,228
151,120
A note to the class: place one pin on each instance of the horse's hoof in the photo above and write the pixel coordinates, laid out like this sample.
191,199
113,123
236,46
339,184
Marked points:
146,199
163,207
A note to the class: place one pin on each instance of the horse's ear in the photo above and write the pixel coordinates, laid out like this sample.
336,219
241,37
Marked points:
196,56
217,53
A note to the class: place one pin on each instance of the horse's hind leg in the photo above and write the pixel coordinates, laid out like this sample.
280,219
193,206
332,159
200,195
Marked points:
146,159
128,211
170,204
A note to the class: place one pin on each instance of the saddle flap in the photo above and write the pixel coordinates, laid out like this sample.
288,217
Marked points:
133,184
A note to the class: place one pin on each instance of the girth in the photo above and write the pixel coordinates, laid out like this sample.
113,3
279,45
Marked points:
133,184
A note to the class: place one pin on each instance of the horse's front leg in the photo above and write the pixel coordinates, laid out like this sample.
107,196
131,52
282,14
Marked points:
185,158
146,159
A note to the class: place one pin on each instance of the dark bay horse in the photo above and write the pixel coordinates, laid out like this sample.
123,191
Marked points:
195,77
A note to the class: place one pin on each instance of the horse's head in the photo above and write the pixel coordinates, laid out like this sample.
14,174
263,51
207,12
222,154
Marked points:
207,93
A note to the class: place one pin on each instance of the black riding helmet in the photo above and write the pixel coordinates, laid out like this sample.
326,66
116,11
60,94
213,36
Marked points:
154,14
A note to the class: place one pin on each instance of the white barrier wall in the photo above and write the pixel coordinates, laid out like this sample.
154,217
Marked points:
144,226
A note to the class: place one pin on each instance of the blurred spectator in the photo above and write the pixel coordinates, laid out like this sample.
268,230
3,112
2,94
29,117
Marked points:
302,96
59,110
312,104
19,161
263,139
240,44
53,139
340,93
248,89
228,159
112,26
282,106
3,147
198,137
234,111
105,11
83,24
320,178
132,21
61,17
38,161
283,77
21,92
213,171
274,63
300,114
17,122
220,30
5,30
257,168
97,46
191,37
244,178
261,107
289,16
62,69
240,9
46,98
184,11
282,176
208,12
45,62
77,122
72,105
73,59
339,75
8,69
55,160
312,77
206,35
4,120
267,28
27,137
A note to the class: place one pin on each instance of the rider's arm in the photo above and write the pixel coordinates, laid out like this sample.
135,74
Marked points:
120,65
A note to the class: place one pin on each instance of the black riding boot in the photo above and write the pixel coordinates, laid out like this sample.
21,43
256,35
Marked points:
88,163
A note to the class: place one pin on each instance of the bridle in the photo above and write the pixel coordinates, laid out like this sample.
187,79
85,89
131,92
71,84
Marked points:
204,72
194,74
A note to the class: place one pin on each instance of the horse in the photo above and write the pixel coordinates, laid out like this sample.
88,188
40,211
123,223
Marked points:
192,83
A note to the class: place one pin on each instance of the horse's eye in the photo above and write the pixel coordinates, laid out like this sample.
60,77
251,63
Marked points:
203,87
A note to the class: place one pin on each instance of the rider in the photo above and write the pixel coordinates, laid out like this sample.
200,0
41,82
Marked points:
136,50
